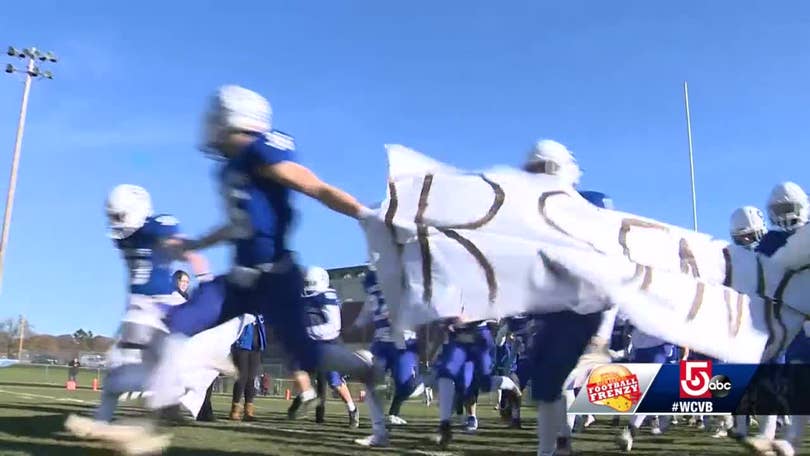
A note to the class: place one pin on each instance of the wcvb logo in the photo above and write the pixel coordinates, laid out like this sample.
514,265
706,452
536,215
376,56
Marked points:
697,381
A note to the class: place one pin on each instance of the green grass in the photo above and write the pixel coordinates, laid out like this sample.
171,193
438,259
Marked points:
31,419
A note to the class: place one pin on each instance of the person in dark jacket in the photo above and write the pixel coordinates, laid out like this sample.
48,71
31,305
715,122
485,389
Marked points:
73,369
247,355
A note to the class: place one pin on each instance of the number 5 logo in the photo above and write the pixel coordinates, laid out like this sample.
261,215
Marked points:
695,377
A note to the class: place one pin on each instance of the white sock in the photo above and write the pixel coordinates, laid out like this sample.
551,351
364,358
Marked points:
309,394
741,425
637,420
418,391
796,431
570,418
767,426
503,383
447,393
350,405
605,330
548,426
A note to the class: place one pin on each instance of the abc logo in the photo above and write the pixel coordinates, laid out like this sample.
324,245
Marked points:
720,386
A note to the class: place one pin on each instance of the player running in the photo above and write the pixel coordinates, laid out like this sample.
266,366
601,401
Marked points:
397,352
324,326
258,176
146,243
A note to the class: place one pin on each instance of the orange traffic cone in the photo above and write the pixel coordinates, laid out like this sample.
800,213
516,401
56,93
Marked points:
362,397
95,384
287,394
70,385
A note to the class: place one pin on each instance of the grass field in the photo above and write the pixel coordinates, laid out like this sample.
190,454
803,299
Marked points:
31,418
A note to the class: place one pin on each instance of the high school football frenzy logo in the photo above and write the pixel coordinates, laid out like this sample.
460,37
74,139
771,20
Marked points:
614,386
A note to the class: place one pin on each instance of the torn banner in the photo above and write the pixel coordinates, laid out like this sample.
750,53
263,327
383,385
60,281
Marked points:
504,242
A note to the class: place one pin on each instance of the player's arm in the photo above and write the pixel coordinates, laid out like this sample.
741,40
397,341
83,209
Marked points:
366,313
302,179
216,236
198,262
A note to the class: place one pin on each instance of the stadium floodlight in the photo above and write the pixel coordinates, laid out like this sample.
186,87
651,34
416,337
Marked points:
31,54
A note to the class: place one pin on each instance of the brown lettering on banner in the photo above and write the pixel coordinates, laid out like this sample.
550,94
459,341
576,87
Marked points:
729,271
489,272
499,196
688,262
497,203
422,238
629,223
543,201
700,291
390,213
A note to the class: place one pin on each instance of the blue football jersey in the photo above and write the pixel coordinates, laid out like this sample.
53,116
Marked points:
380,315
259,209
323,315
150,265
772,241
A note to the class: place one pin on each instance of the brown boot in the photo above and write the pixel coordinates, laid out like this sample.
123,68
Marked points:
236,412
250,412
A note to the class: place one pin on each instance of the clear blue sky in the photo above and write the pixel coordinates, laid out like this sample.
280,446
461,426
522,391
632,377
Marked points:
470,83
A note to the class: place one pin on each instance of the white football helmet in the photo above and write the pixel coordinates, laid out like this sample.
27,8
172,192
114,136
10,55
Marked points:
551,157
128,207
788,206
747,226
234,109
316,280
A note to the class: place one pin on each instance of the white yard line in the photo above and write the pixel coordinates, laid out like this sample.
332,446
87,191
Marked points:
42,396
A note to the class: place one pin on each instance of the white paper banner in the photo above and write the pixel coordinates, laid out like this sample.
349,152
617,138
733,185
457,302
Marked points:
504,242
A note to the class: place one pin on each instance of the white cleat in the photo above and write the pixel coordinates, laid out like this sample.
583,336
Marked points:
625,440
394,420
721,433
783,448
759,446
418,391
89,428
373,441
589,420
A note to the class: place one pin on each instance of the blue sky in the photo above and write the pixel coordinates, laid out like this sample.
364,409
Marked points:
467,82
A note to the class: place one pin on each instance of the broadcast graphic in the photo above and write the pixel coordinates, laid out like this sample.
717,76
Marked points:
685,388
614,389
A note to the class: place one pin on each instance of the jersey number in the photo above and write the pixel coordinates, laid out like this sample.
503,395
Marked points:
238,217
140,271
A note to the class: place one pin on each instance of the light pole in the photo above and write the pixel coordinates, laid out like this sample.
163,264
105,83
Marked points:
31,56
691,155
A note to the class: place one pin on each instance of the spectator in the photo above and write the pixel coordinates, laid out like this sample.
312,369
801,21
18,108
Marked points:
247,355
265,384
182,282
73,369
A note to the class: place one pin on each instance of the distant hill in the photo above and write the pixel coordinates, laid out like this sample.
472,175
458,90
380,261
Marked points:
43,347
